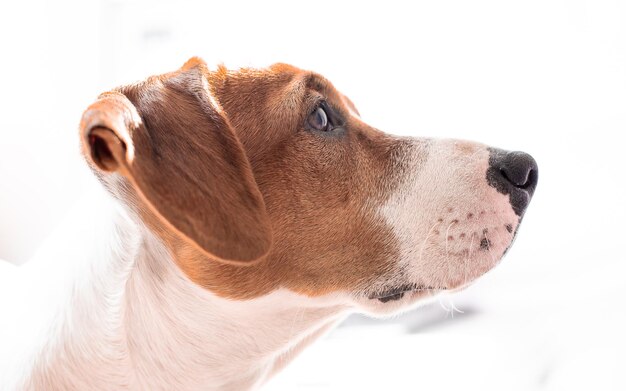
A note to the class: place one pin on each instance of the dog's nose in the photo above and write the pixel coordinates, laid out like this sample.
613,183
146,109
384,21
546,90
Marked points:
515,174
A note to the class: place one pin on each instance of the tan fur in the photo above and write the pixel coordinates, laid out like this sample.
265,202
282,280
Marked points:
316,189
181,156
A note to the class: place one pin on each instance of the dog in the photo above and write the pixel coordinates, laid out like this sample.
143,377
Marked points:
246,213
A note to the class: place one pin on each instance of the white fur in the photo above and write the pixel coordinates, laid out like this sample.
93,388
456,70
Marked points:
109,310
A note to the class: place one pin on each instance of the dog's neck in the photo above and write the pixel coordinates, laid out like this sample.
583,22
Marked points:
131,319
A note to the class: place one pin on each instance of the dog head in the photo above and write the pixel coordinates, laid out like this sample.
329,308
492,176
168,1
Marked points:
264,179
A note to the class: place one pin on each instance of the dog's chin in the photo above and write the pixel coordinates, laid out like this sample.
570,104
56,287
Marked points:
400,299
394,303
397,298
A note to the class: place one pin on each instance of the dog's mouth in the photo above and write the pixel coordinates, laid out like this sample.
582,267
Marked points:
397,293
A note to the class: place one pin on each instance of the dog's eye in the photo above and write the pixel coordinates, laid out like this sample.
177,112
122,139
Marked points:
318,120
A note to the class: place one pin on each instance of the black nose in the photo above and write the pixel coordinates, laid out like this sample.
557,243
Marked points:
515,174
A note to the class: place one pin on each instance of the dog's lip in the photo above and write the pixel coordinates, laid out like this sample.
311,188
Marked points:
398,292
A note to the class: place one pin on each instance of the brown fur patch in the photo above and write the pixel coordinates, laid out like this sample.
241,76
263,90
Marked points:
177,149
321,190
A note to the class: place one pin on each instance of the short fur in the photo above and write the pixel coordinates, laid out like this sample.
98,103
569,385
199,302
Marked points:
232,234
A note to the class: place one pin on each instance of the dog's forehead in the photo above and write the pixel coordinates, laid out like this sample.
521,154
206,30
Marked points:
282,84
280,90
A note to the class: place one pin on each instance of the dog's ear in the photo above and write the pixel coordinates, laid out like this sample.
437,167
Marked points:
174,143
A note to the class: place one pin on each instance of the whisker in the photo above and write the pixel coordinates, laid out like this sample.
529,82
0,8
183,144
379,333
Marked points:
493,258
447,261
451,309
448,235
469,251
511,233
499,236
423,246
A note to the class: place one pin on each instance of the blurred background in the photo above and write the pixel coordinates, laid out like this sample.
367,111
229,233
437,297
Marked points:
544,76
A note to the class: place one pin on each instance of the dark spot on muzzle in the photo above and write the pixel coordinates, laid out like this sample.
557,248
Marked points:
485,244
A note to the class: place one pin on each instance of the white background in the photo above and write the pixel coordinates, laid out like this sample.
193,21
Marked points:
544,76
